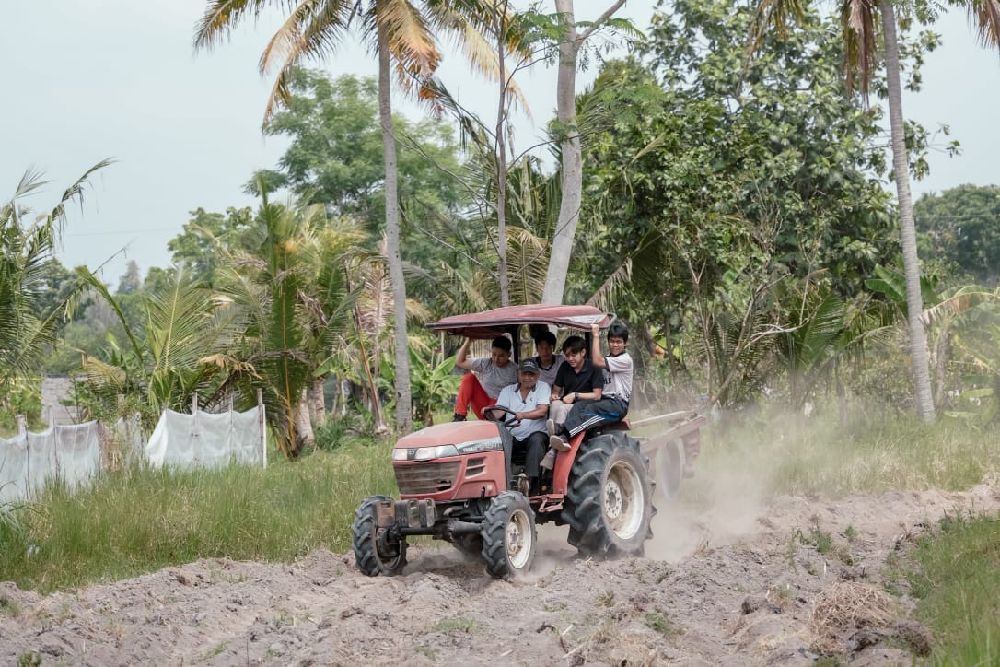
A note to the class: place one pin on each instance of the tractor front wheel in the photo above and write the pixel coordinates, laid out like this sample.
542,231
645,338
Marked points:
509,536
375,552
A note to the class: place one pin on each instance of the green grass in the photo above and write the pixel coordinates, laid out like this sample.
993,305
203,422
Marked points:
658,622
457,624
138,521
784,454
957,582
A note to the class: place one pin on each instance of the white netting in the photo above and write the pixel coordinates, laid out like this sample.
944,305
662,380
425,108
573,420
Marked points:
206,440
28,461
73,452
77,452
13,469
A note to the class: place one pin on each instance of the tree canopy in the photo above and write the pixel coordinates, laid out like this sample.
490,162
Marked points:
960,229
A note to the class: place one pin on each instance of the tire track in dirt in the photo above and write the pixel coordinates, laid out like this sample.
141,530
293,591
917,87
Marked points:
720,585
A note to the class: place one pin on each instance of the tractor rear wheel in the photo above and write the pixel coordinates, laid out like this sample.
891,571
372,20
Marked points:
609,499
509,536
375,552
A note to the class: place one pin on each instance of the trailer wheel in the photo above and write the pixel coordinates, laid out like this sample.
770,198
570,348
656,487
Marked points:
509,536
609,498
670,468
375,552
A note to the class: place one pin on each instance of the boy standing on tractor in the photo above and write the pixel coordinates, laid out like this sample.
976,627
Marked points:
490,375
612,406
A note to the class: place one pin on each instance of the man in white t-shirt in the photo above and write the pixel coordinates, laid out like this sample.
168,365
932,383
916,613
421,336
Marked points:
529,401
612,406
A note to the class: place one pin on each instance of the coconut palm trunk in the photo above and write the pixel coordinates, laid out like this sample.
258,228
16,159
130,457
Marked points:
501,143
404,421
564,234
907,231
572,159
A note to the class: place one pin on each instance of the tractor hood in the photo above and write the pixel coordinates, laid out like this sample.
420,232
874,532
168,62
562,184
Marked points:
449,433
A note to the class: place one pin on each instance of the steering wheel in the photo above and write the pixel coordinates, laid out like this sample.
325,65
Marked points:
488,410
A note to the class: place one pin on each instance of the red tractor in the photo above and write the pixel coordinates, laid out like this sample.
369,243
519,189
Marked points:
461,481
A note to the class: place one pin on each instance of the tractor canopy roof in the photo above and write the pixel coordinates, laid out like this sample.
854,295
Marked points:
491,323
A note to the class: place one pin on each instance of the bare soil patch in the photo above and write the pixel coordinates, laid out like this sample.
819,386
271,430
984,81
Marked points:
778,582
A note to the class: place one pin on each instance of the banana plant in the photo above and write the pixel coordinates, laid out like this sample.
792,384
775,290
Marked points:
434,385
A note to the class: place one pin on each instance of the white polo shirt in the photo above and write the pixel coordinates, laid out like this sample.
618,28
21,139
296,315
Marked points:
510,398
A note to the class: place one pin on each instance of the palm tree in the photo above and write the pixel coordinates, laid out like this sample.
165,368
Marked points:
402,32
27,243
291,288
864,21
182,348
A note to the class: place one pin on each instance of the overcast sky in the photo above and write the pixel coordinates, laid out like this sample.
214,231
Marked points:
87,79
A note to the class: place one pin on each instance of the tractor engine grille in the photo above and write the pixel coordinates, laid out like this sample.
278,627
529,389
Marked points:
423,478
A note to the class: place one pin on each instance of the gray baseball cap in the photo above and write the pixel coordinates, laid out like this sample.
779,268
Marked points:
528,366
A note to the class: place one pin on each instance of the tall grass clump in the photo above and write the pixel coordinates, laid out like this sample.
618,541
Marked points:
957,583
140,520
820,455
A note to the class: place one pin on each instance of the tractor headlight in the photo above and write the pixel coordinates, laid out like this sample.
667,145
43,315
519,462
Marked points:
439,452
474,446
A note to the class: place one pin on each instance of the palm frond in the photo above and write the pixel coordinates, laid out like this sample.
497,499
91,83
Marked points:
57,217
410,39
527,263
604,296
311,30
859,21
221,16
985,18
774,15
963,300
95,283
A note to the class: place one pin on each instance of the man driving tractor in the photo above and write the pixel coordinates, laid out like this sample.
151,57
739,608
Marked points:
529,401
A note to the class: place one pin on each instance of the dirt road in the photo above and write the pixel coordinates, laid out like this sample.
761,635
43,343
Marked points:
750,583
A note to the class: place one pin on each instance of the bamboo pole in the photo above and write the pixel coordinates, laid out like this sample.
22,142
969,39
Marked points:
263,430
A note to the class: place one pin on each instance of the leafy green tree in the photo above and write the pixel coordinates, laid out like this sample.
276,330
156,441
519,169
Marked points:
335,158
865,25
195,247
403,33
130,281
960,229
720,186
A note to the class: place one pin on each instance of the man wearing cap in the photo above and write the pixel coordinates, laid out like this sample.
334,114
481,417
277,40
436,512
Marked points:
529,401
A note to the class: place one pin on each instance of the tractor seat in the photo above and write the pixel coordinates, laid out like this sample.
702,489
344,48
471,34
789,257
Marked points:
622,425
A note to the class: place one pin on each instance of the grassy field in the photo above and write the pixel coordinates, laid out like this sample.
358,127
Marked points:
792,455
141,520
957,580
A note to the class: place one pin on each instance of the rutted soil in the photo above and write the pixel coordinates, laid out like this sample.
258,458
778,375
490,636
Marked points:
776,583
